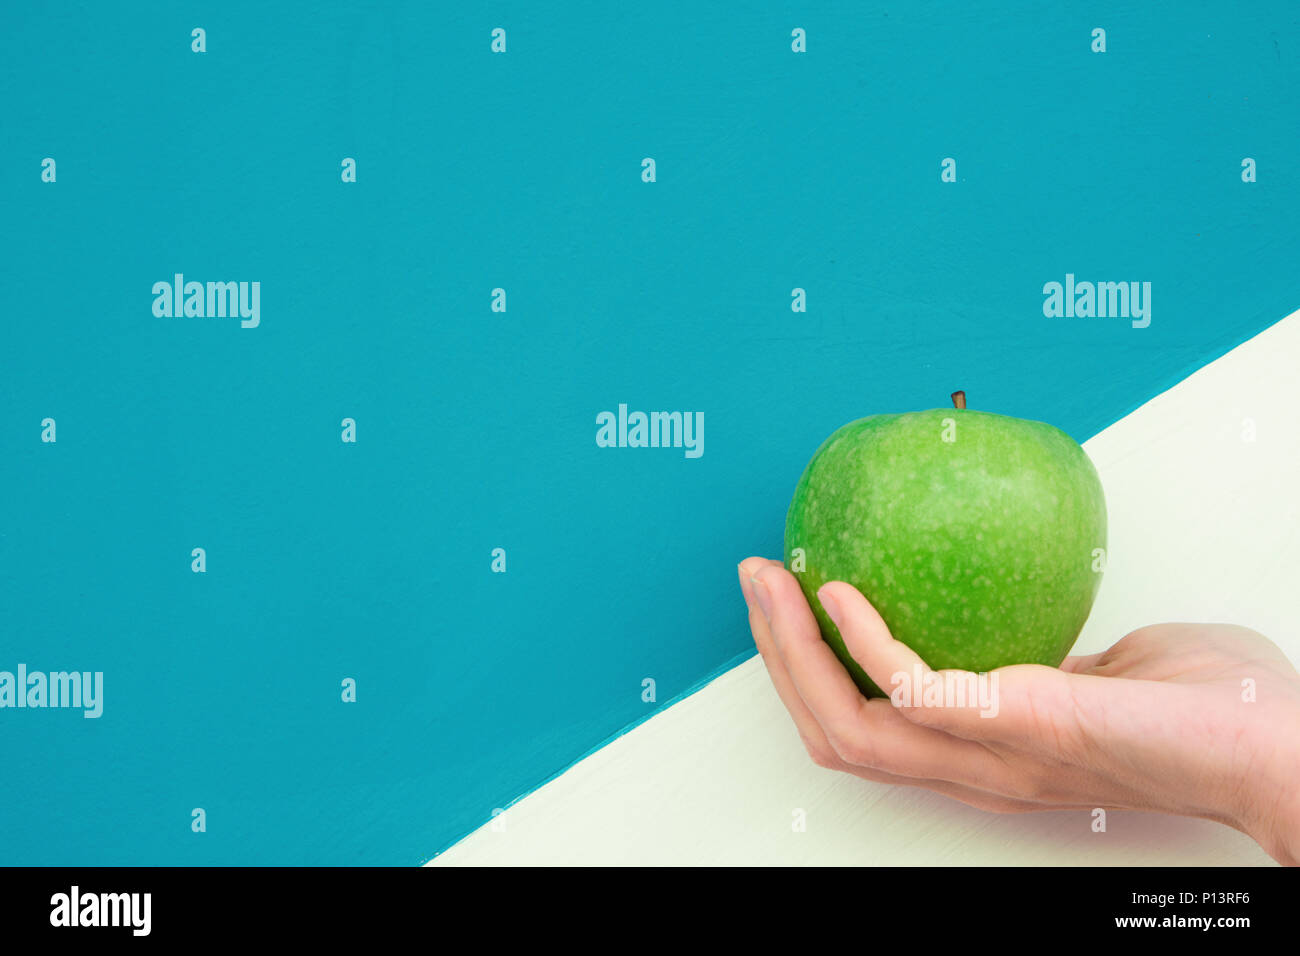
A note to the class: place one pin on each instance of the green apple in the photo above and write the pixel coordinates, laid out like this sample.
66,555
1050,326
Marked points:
979,538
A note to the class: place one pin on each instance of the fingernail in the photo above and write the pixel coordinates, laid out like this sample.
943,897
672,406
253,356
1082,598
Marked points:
763,596
829,605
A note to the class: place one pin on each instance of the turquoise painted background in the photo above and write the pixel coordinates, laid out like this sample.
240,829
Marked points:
476,429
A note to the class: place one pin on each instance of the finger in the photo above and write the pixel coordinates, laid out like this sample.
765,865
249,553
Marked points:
887,661
814,740
751,566
1022,708
865,733
1080,663
747,569
810,732
892,749
822,682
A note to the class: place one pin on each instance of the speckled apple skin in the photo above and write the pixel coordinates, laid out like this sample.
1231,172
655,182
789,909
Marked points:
977,552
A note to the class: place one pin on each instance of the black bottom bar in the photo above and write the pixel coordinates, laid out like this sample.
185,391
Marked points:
905,905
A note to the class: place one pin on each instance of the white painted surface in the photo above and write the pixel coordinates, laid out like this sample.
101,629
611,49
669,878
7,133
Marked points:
1203,526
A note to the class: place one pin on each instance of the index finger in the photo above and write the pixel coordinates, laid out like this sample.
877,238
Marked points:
962,703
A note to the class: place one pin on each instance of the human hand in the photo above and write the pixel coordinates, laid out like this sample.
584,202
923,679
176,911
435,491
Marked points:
1160,722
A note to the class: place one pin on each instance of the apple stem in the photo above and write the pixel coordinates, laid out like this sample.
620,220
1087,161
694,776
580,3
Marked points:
958,399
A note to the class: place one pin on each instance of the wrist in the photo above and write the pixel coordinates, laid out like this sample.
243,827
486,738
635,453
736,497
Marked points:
1284,833
1272,813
